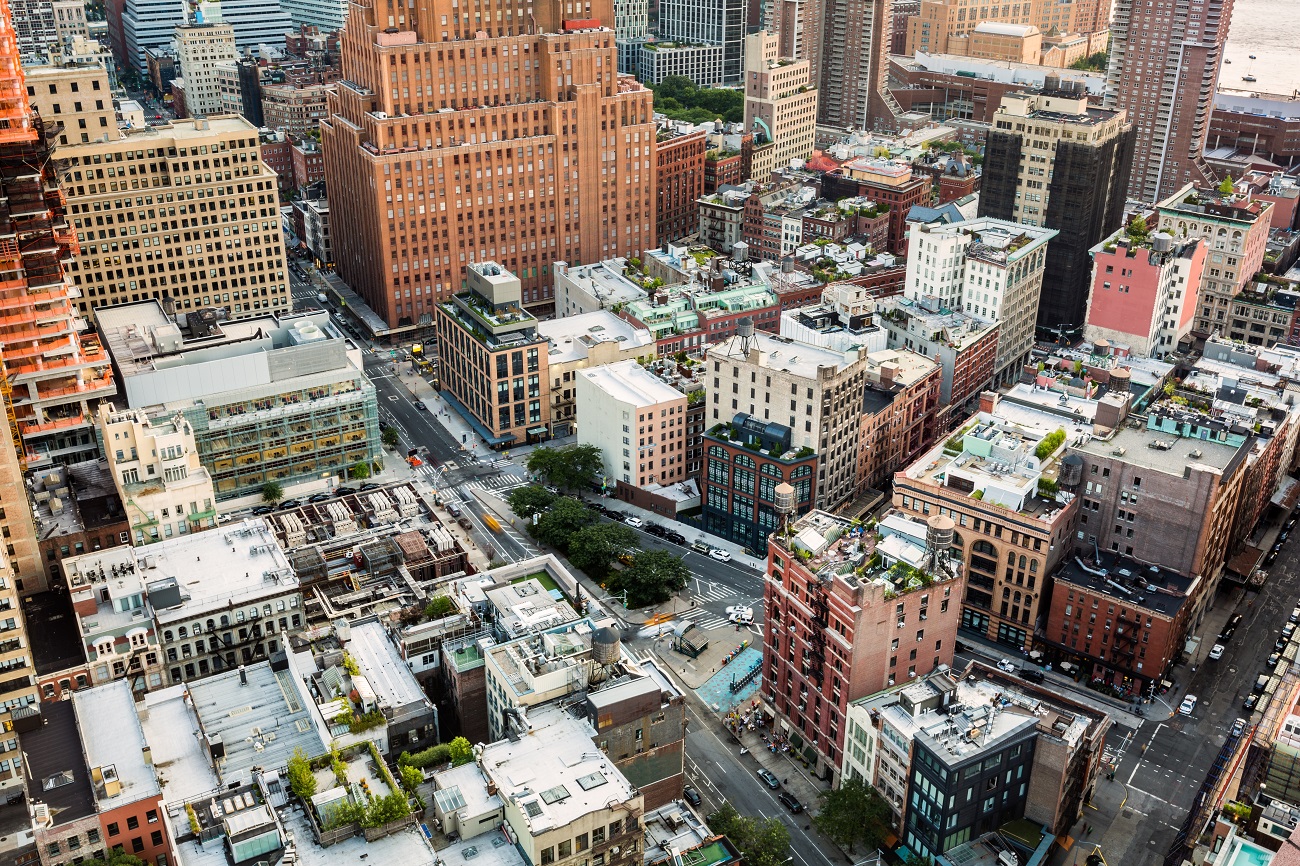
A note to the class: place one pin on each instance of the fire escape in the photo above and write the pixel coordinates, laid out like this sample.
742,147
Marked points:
814,656
1124,647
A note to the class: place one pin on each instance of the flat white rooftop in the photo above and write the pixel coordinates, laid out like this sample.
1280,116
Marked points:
782,353
629,382
112,735
573,337
383,666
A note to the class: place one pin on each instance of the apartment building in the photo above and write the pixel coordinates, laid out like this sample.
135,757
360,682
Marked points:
994,40
939,21
814,393
637,421
660,59
711,23
267,399
722,219
200,47
295,109
155,466
990,268
1235,228
994,478
891,185
210,617
1145,291
900,414
780,96
1125,622
1054,161
78,96
484,337
205,215
838,626
679,180
115,619
369,145
896,736
583,341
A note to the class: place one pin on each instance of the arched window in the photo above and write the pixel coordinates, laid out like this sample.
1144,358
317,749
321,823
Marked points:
1011,557
718,451
984,547
1033,566
744,460
1022,561
801,472
769,469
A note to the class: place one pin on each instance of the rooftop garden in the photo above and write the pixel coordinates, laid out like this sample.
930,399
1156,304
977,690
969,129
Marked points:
728,432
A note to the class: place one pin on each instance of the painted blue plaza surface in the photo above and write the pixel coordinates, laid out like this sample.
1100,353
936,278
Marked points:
717,691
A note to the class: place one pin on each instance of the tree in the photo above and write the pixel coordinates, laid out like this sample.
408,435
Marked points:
653,577
440,606
301,779
115,857
1138,229
572,468
594,547
763,842
1225,186
557,526
461,751
853,814
360,471
411,778
272,492
530,500
390,437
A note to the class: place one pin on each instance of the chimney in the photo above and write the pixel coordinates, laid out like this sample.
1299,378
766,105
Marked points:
988,401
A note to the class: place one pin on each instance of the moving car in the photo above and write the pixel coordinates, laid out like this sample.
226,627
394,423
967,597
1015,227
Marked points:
1188,704
768,779
1216,652
740,614
419,404
692,796
720,555
790,802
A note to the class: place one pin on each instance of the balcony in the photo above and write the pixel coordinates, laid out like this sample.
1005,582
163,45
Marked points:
42,428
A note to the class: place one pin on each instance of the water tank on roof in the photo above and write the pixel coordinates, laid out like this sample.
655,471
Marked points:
605,646
1071,471
939,529
1162,242
787,265
1120,379
740,252
783,499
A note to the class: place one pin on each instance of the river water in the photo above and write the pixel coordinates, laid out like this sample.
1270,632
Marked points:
1269,29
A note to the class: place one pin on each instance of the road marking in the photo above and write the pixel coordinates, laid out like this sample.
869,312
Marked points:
1140,760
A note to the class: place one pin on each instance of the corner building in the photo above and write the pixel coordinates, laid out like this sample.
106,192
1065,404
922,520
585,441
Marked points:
503,134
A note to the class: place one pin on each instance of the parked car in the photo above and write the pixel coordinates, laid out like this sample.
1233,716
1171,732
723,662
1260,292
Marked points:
1279,644
720,555
1188,704
692,796
1216,652
1008,665
288,503
1273,659
1226,635
655,529
1238,727
633,521
1288,630
319,497
1034,675
700,546
790,802
768,779
1295,615
263,509
1261,683
343,491
369,485
675,537
419,404
1250,701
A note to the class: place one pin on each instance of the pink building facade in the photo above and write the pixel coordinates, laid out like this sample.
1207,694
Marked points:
1144,293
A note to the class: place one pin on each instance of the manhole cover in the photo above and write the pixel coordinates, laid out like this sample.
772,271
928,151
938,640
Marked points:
1128,813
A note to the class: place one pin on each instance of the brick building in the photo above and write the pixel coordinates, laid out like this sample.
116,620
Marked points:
308,163
277,153
883,182
965,347
724,168
900,414
489,348
1260,125
679,182
405,259
1124,621
835,634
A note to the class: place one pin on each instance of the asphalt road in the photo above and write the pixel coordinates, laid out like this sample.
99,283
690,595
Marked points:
716,769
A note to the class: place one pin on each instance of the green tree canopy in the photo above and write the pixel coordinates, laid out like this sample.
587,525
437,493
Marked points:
530,500
853,814
572,468
1137,229
389,437
653,577
762,841
440,606
679,98
115,857
461,751
1225,186
557,526
593,548
301,780
272,492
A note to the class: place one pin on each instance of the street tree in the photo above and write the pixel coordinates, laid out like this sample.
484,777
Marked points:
853,814
272,492
389,437
652,578
572,468
763,842
530,500
561,521
593,548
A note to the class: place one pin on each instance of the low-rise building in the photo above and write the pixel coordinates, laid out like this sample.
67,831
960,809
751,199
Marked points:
884,182
267,398
843,623
211,618
581,341
494,362
964,346
722,218
900,414
155,465
77,509
115,620
598,286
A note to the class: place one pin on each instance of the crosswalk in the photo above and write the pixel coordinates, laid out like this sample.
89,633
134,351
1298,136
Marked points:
704,619
498,483
714,592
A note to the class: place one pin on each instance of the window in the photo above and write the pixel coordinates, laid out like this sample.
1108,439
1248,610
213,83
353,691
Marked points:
548,856
137,844
132,822
113,830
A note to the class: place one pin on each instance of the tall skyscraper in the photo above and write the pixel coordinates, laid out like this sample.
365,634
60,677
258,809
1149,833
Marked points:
1164,71
458,137
708,22
1052,160
200,46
